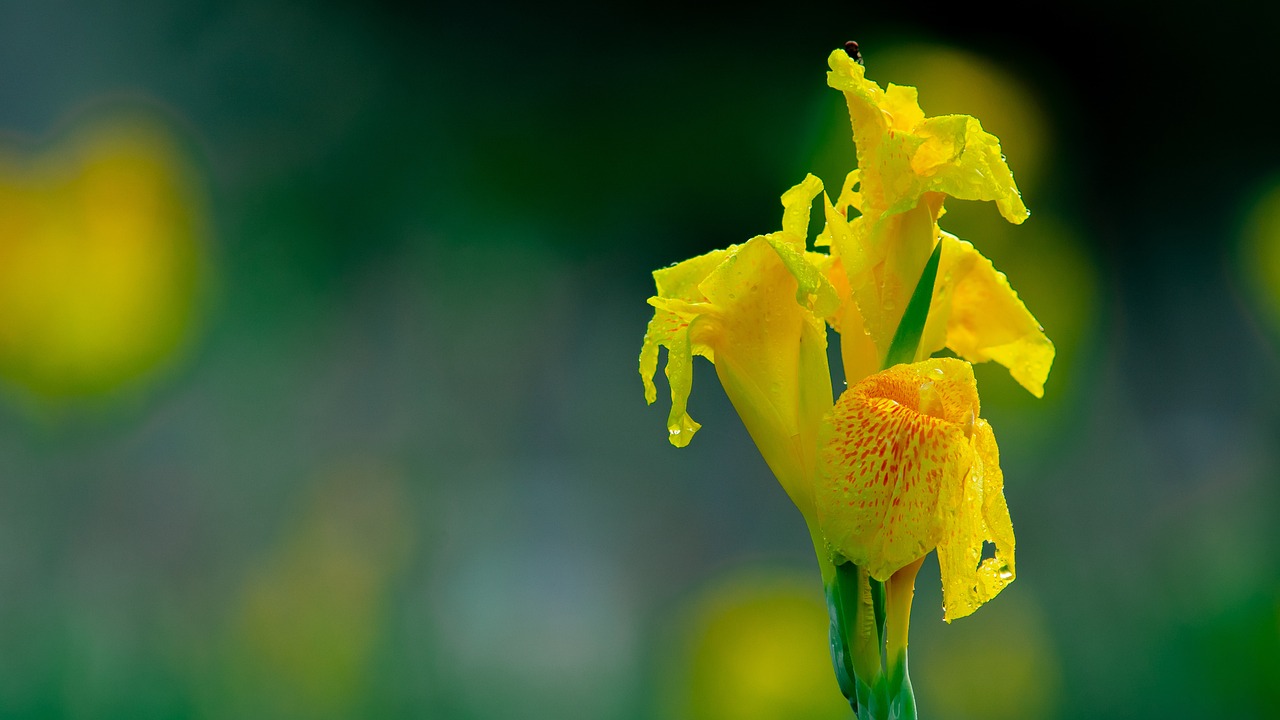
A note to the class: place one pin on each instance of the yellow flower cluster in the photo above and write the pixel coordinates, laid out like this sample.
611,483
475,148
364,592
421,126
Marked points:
901,463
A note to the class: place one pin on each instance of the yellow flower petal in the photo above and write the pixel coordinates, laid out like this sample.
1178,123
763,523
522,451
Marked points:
896,442
882,269
981,515
902,155
977,315
858,351
962,160
789,243
670,328
682,279
755,310
795,213
908,466
770,356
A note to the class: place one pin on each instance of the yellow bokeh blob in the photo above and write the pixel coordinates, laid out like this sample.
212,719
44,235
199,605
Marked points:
995,665
1260,253
99,243
756,648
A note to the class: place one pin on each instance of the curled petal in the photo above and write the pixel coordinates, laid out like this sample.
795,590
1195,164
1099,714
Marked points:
979,515
675,308
962,160
795,212
979,316
813,289
670,328
849,197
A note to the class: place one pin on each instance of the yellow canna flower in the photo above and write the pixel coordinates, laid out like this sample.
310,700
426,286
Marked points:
907,164
908,466
754,310
902,464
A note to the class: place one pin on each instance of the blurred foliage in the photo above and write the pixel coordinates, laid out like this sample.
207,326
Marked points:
999,663
313,613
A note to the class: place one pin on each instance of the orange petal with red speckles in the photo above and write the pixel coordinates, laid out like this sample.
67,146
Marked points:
894,442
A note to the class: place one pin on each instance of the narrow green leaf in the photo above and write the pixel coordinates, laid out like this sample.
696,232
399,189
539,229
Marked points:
907,339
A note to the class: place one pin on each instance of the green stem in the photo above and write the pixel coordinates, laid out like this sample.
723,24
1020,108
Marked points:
900,590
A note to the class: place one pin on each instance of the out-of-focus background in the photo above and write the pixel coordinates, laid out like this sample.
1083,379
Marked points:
318,339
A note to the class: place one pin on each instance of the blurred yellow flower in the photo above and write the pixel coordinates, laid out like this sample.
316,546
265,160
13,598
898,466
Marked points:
98,258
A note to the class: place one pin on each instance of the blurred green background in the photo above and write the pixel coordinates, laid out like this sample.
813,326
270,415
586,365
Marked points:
318,340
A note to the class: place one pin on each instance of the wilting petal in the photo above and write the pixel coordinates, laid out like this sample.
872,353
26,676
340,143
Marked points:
671,329
674,309
977,315
895,442
962,160
903,155
978,514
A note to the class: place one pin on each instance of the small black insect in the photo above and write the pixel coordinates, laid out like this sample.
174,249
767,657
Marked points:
851,48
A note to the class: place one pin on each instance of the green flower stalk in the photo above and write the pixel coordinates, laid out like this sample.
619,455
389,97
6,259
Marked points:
901,463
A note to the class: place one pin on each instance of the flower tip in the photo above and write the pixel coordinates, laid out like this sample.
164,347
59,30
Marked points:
840,63
1013,209
681,431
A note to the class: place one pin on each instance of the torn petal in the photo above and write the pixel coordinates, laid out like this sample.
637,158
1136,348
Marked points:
978,514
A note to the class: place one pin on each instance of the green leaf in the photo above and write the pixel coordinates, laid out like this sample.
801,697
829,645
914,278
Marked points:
906,341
